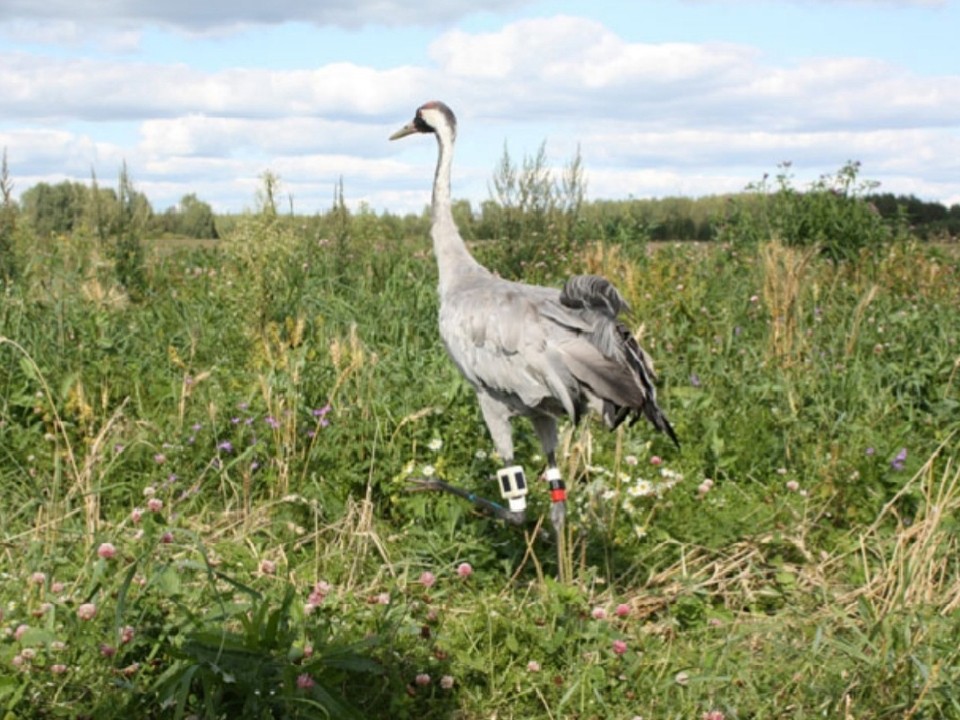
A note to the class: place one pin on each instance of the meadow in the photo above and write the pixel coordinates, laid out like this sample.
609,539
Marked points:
206,506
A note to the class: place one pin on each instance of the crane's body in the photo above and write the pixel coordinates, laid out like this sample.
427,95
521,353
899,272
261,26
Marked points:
538,352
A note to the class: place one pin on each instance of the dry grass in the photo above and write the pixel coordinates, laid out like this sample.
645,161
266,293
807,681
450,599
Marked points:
785,279
78,467
918,566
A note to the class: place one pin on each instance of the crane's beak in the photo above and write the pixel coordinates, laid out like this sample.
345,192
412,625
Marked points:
409,129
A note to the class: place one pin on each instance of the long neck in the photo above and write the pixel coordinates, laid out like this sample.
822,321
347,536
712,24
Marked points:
453,258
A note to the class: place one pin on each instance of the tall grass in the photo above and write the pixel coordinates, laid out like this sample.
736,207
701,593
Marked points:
219,467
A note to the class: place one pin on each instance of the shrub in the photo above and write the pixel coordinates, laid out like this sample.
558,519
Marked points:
832,214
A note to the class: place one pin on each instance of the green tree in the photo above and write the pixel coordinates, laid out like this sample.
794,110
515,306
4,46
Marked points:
101,203
463,217
196,218
536,192
505,193
132,213
8,223
572,193
267,193
54,209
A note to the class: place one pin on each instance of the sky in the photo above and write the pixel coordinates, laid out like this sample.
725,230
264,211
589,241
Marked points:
662,98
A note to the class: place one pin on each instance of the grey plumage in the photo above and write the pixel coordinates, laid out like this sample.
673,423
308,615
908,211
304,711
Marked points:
532,351
540,351
593,292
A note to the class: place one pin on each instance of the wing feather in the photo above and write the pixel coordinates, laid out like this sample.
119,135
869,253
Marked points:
540,350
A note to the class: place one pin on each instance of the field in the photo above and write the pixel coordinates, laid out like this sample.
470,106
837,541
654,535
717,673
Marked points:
206,512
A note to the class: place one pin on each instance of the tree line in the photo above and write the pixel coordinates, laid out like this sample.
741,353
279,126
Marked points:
528,201
70,207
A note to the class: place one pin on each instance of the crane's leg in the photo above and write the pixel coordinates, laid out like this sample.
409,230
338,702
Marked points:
546,429
510,478
488,506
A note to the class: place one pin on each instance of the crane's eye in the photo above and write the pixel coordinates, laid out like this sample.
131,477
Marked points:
421,124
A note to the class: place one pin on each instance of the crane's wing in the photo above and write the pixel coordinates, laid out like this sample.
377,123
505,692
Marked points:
591,306
539,349
494,332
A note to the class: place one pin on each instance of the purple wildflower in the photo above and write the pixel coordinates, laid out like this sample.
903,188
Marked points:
321,415
898,462
695,380
272,422
226,446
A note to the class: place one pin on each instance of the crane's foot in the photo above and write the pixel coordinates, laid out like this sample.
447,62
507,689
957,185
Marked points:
513,517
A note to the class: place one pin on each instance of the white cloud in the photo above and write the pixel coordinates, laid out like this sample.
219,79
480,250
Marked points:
686,148
661,183
546,67
653,118
925,162
579,69
51,88
56,153
201,135
580,54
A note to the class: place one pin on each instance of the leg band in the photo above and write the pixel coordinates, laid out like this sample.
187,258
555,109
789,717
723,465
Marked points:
558,491
513,487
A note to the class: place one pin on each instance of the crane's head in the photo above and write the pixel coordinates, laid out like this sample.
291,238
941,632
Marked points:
431,117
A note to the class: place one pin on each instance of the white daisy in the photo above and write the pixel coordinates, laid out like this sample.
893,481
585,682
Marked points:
641,488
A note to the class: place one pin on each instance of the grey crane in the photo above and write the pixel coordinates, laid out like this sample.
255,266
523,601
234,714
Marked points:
530,351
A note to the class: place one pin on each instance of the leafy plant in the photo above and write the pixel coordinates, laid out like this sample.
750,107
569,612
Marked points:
833,214
260,669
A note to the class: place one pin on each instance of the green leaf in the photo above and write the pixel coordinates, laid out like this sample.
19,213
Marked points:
168,582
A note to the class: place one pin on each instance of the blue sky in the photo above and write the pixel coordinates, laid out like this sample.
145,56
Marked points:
679,97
